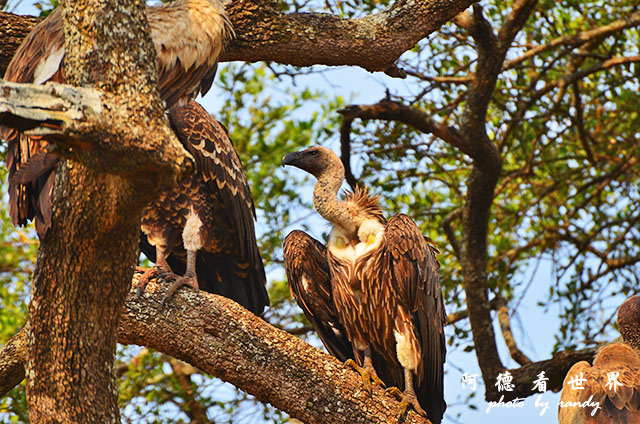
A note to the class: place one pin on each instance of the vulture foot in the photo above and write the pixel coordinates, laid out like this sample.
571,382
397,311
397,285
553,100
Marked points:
149,274
189,279
408,398
367,372
395,392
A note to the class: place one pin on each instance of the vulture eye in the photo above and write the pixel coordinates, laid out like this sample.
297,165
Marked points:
314,152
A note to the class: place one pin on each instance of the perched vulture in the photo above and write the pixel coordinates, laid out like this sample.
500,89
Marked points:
609,391
188,36
385,286
206,222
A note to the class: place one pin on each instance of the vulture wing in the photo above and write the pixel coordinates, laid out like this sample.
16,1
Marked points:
409,262
37,60
229,263
305,261
618,402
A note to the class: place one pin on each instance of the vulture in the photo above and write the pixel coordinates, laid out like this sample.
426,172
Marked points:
188,36
385,288
206,221
609,391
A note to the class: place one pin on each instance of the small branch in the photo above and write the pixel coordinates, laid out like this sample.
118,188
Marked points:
12,362
454,317
451,235
393,111
345,150
578,39
507,334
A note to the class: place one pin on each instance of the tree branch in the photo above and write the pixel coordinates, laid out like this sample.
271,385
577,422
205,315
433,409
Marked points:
223,339
389,110
12,359
84,121
264,33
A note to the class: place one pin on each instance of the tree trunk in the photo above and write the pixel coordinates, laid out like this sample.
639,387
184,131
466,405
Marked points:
86,259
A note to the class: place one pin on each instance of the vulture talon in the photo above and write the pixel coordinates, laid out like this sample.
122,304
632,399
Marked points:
189,279
367,372
409,398
394,391
148,274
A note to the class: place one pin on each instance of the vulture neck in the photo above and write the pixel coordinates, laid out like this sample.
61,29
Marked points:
325,199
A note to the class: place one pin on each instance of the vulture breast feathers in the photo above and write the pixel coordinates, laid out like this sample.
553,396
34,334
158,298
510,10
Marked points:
188,36
218,199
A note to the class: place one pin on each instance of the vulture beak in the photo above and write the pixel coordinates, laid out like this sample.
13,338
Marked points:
290,158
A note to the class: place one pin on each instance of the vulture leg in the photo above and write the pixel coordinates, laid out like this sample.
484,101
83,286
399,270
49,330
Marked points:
188,279
409,397
367,371
161,268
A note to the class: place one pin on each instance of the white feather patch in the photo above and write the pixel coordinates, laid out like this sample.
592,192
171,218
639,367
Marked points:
191,233
49,66
404,351
339,245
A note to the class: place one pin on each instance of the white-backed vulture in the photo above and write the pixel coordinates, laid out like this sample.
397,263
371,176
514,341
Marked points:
609,391
188,36
384,284
204,228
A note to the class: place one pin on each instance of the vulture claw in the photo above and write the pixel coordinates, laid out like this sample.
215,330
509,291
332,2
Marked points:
367,372
189,279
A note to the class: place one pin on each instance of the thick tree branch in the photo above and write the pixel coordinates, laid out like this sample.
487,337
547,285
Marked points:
223,339
264,33
220,338
555,369
83,121
389,110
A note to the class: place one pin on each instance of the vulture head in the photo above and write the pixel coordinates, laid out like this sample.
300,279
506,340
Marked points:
315,160
629,321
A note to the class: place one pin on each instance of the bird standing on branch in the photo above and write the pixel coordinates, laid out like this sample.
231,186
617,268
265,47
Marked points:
188,36
609,391
206,221
385,287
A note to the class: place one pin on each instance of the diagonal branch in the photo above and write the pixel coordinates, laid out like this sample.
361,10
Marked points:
223,339
264,33
388,110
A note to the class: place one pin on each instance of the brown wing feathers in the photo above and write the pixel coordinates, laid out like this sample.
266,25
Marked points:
229,263
307,271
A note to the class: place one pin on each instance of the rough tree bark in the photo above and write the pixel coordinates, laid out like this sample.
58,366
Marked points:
221,338
265,33
86,259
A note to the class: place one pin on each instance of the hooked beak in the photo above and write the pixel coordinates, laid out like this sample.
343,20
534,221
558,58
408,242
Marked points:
290,158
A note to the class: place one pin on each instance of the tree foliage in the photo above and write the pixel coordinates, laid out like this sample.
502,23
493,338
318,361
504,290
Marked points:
563,116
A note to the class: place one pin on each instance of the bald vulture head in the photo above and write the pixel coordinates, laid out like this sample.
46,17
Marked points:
316,161
629,321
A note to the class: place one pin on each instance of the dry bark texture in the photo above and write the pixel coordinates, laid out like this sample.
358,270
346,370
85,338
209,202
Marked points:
263,32
223,339
86,259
